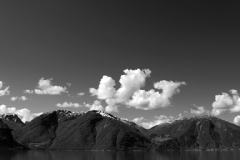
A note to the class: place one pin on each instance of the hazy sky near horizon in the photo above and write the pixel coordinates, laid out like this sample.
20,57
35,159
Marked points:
64,48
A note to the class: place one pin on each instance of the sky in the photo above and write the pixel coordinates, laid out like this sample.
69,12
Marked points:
147,61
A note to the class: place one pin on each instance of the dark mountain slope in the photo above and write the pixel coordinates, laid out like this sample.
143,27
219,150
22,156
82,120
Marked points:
40,132
6,138
96,130
93,130
205,132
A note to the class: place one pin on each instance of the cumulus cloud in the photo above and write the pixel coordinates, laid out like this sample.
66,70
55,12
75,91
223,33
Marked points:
131,82
23,98
80,93
237,120
95,106
130,94
198,110
45,86
152,99
226,103
149,124
5,91
111,107
24,113
105,89
66,104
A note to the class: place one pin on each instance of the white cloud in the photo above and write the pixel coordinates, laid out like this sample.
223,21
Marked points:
105,89
218,112
28,91
24,113
95,106
80,93
45,87
66,104
131,82
237,120
198,110
180,115
5,91
169,88
149,124
152,99
130,94
111,107
23,98
226,103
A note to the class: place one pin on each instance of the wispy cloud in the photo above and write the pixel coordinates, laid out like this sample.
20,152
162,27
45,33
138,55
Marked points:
198,110
95,106
80,93
70,104
45,86
5,91
23,98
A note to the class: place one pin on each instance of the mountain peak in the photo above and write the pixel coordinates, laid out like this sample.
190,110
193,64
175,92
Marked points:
9,118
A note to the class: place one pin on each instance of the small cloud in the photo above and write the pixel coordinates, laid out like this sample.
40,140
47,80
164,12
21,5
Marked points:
24,113
69,84
149,124
66,104
23,98
226,103
45,87
198,110
80,93
28,91
95,106
5,91
237,120
180,115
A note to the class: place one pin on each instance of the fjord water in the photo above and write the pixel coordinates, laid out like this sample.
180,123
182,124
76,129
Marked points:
110,155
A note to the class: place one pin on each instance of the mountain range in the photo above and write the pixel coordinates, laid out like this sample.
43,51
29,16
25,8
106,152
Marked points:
97,130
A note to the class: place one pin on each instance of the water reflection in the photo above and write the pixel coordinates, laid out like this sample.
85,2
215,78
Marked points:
108,155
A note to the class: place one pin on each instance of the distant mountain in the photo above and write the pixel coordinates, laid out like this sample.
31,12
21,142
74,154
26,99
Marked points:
96,130
201,133
6,139
12,120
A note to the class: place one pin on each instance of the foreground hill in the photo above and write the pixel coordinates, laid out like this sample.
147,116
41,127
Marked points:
6,138
204,132
94,130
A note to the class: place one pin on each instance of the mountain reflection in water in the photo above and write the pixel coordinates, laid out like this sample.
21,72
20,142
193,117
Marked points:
120,155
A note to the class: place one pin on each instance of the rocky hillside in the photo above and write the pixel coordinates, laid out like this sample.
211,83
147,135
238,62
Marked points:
94,130
6,138
201,133
12,120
